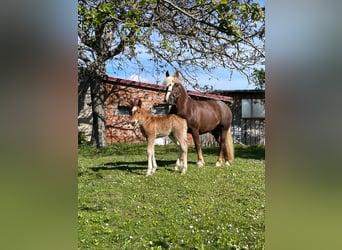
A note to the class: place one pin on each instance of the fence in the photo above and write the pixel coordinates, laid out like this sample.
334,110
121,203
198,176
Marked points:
247,131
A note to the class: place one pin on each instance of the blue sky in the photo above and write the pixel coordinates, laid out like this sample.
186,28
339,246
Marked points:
219,78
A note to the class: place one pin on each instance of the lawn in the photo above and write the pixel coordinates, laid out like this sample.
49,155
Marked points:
208,208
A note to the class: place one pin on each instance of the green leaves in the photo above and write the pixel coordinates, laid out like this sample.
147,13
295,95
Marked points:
232,13
258,78
95,17
190,35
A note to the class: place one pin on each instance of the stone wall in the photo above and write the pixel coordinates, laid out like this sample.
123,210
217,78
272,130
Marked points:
119,128
84,113
117,107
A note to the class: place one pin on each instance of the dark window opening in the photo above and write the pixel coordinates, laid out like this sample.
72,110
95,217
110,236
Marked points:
160,109
123,111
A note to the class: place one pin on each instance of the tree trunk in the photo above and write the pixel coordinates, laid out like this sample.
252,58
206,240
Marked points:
98,136
96,71
83,86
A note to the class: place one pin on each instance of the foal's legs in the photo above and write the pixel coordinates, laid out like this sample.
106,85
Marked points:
151,161
184,149
179,161
180,138
196,137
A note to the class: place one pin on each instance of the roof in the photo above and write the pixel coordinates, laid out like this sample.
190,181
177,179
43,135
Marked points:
245,93
157,87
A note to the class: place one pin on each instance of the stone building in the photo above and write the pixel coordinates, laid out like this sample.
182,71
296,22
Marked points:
119,93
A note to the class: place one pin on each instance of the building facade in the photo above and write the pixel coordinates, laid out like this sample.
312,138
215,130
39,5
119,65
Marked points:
248,117
118,95
248,108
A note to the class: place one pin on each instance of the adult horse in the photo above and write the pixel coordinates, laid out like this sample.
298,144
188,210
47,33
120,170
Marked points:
202,116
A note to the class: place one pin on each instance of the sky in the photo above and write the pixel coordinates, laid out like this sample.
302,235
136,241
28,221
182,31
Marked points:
220,79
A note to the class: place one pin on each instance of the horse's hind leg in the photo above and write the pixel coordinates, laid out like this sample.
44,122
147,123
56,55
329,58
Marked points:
179,158
151,164
223,150
216,134
184,151
154,162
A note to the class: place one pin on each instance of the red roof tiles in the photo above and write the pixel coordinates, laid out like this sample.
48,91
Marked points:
162,88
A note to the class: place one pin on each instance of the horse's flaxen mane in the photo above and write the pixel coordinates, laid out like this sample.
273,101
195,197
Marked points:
172,79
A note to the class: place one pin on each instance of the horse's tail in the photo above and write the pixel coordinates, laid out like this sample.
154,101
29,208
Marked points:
230,145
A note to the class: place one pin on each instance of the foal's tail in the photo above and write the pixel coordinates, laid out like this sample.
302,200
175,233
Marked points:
230,146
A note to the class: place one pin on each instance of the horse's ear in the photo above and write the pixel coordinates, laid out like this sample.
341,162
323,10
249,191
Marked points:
177,74
131,103
177,77
167,73
139,103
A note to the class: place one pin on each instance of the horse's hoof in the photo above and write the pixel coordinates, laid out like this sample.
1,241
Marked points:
218,164
227,163
183,172
200,164
176,168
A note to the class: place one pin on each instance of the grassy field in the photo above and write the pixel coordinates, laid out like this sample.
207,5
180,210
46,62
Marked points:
208,208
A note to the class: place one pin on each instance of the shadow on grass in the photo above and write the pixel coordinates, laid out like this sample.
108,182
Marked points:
137,167
166,244
241,151
90,209
162,244
119,166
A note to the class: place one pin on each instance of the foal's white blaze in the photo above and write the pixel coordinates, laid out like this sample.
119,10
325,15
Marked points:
133,110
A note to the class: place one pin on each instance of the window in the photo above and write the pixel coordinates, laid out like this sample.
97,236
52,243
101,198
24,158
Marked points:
123,111
253,108
160,109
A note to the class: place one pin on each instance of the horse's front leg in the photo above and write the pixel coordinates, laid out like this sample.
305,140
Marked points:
196,137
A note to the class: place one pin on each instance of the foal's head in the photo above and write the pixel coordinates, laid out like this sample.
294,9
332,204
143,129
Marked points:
137,113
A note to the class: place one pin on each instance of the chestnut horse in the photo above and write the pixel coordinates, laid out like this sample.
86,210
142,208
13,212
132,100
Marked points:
153,127
202,116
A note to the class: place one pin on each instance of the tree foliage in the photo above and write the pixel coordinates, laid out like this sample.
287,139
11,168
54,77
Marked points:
258,78
184,34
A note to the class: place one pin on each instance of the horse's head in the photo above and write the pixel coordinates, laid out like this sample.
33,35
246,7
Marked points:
136,113
173,92
172,87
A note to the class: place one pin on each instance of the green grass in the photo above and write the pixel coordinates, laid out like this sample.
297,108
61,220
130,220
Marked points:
208,208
